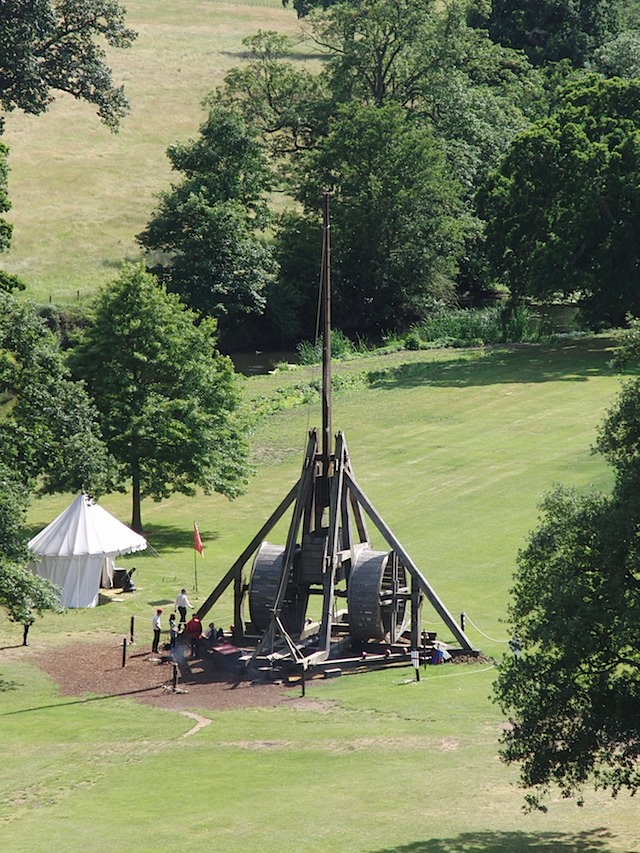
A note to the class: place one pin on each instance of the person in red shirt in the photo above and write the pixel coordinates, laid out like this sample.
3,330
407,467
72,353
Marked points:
194,632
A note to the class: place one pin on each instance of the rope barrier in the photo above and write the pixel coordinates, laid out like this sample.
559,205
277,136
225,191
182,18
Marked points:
461,672
493,639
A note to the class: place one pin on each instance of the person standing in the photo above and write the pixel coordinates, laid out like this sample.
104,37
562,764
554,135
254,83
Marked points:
28,622
173,631
194,632
157,627
182,602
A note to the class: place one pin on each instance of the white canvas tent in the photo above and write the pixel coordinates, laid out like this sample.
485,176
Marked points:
77,549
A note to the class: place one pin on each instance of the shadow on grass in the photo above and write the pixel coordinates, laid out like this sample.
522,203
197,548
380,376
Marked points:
81,701
8,685
167,537
292,56
568,361
590,841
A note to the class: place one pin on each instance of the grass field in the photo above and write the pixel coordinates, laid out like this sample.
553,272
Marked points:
80,194
455,452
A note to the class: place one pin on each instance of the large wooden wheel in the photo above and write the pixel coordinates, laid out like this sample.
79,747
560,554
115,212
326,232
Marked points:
263,590
377,597
263,586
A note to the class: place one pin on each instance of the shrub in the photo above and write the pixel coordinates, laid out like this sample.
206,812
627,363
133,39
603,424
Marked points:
475,327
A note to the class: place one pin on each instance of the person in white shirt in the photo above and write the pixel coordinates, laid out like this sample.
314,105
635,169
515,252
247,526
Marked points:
182,602
155,622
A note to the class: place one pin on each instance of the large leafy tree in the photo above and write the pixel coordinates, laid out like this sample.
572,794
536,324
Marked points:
49,433
551,30
459,93
573,694
396,216
287,105
21,592
49,46
563,209
205,234
168,401
48,436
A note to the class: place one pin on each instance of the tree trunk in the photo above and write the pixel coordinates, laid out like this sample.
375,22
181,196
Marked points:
136,514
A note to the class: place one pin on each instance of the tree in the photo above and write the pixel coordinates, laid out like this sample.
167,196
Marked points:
48,426
55,45
573,695
304,7
206,228
49,46
551,30
5,205
48,436
619,57
287,105
395,213
562,210
168,402
21,592
14,497
457,89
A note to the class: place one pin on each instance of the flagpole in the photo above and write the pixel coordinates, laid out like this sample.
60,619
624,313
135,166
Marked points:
197,546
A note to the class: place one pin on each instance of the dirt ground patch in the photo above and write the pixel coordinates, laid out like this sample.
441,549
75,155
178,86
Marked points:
97,668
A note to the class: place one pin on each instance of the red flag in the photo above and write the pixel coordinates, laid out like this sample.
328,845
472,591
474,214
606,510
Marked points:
197,541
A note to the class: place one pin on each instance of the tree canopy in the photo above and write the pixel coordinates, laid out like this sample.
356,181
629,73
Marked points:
562,210
396,216
573,694
416,71
48,438
21,592
49,46
205,233
168,401
49,431
551,30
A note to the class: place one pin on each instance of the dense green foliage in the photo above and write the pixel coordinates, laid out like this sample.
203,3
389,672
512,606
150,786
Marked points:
562,210
48,436
551,30
498,324
406,89
168,402
22,593
5,204
395,214
48,426
573,694
205,232
51,46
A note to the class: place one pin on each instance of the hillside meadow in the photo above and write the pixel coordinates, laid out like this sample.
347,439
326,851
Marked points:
80,194
454,450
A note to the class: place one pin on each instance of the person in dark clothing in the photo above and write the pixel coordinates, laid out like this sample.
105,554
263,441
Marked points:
173,631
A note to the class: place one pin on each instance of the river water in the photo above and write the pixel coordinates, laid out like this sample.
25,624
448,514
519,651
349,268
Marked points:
255,363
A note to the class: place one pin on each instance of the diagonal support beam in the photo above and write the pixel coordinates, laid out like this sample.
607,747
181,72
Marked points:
236,568
395,545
